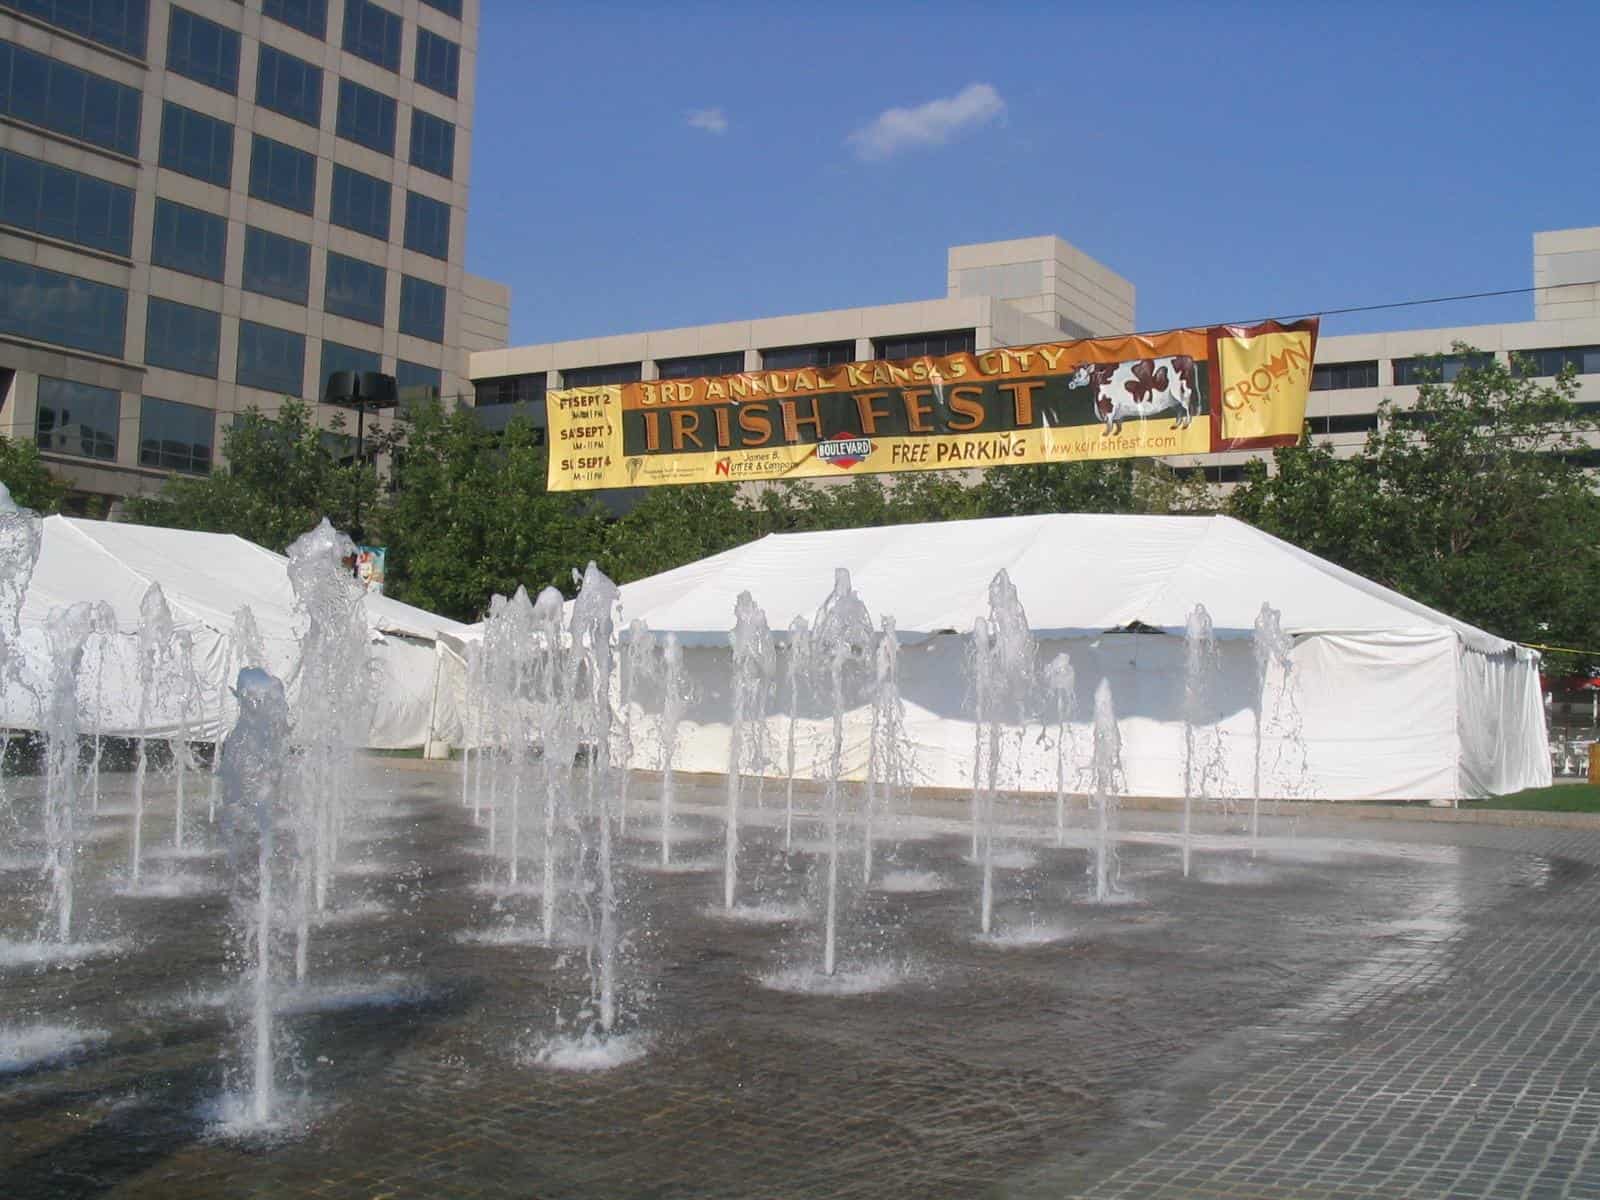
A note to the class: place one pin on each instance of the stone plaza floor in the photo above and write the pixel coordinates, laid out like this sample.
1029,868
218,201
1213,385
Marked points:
1363,1008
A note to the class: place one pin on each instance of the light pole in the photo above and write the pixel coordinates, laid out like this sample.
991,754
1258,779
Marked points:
364,391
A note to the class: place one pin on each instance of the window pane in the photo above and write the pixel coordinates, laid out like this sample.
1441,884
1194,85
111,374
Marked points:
66,310
195,144
433,143
120,24
276,266
438,64
175,437
289,85
182,337
373,33
512,389
700,364
366,117
1553,360
77,418
55,96
336,356
283,175
417,383
824,354
1326,377
189,240
308,16
59,203
360,202
450,7
959,341
203,50
270,358
601,376
1436,368
355,289
421,308
427,226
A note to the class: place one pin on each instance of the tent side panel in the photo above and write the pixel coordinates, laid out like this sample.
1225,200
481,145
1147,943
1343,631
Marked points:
1504,744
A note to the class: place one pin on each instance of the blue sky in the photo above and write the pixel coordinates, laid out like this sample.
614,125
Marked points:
647,166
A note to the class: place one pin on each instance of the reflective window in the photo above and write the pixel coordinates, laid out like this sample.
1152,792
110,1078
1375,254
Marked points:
289,85
308,16
360,202
76,103
175,437
64,309
438,64
189,240
270,358
366,117
77,418
182,337
700,364
421,308
449,7
600,376
822,354
427,226
120,24
417,383
1437,368
1334,377
1585,360
203,50
916,345
1344,422
373,33
59,203
433,143
195,144
283,175
355,289
276,266
510,389
336,356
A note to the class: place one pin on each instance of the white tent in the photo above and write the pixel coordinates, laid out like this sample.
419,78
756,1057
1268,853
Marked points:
207,578
1386,698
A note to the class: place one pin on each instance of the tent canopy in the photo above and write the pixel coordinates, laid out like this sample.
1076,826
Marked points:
206,578
1076,574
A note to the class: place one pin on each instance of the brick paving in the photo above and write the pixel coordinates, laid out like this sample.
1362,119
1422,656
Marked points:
1377,1009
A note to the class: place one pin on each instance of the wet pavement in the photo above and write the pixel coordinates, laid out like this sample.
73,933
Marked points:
1363,1009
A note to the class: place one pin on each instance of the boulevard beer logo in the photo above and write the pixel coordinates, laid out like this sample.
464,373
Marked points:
845,452
1185,392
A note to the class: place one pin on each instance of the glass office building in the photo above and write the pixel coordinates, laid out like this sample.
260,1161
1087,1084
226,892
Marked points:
207,205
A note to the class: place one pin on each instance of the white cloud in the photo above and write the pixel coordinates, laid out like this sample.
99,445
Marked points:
712,120
930,124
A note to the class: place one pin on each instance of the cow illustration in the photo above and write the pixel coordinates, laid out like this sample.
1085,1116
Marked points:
1141,389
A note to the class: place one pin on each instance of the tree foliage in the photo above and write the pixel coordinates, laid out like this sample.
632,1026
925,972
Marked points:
30,482
1477,502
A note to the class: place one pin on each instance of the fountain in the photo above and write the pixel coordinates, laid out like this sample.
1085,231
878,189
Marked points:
793,672
69,632
105,632
753,667
1003,665
841,641
1058,677
1271,647
884,740
245,649
639,670
1107,764
253,758
673,697
155,641
21,534
557,740
1199,670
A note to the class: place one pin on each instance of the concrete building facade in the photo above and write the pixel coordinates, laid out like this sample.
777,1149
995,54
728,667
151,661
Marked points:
1043,289
208,205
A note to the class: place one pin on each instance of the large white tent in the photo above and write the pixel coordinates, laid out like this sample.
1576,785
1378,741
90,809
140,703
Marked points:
207,578
1384,697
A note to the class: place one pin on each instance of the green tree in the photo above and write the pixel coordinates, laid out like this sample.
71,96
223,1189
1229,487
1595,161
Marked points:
469,515
670,526
1477,502
30,482
279,480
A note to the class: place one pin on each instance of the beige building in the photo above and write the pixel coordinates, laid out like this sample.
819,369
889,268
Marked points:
208,205
1043,289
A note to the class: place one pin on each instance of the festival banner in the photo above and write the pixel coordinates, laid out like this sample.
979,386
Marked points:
1187,391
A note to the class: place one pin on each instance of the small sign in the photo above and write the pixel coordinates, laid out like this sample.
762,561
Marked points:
369,568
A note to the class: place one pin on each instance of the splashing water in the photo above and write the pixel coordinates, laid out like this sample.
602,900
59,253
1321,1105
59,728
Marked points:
1199,671
1107,764
639,671
1271,646
21,535
155,643
673,697
1058,677
885,741
69,631
1002,653
753,667
794,672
